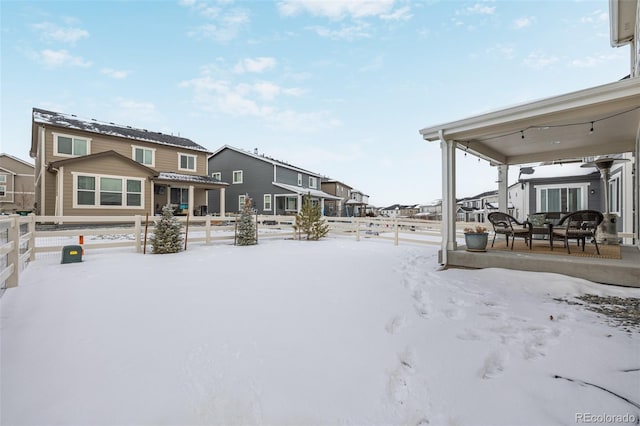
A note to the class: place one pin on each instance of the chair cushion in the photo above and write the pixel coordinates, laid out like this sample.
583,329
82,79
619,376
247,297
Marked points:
537,219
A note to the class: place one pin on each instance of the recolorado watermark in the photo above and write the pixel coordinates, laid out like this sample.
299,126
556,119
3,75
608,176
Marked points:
606,418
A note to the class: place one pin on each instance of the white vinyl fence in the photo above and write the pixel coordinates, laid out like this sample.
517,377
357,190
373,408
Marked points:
25,238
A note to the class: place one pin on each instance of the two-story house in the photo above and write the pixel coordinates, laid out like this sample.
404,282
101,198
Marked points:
275,187
339,189
357,205
84,167
16,185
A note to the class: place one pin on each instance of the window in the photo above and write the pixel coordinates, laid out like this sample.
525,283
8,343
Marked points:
144,155
614,195
3,178
237,176
562,199
299,179
186,162
3,190
70,146
107,191
241,201
313,182
266,202
180,197
217,175
291,203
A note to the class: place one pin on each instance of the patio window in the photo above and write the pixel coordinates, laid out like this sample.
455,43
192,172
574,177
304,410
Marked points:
291,204
70,146
186,162
614,195
144,155
107,191
237,176
569,198
266,203
180,197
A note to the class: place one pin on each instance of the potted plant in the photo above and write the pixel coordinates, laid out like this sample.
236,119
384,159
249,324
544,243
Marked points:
476,238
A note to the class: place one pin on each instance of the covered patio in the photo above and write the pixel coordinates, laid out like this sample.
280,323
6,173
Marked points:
602,120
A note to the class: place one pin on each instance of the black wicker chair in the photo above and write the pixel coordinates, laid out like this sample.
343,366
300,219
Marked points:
503,223
579,226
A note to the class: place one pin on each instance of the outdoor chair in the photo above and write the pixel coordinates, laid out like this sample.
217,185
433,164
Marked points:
509,226
579,226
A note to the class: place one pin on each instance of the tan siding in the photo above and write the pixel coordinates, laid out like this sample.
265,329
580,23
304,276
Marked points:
108,166
50,193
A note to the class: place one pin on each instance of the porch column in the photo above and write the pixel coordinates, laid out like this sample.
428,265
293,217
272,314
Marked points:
152,198
322,206
299,206
191,201
503,184
222,197
636,188
60,190
448,196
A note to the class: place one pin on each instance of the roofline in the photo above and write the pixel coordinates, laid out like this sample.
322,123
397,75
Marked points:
110,153
574,100
265,159
17,159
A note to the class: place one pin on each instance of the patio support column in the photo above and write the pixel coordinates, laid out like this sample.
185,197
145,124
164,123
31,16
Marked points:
222,206
503,183
448,196
191,201
299,206
322,206
636,187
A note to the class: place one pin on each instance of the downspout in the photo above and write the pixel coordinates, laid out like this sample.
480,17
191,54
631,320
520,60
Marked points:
43,188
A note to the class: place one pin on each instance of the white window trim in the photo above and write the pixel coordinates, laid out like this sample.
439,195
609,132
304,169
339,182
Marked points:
153,154
55,144
3,190
617,197
217,175
313,182
97,191
195,162
584,199
299,179
241,201
264,202
3,178
233,177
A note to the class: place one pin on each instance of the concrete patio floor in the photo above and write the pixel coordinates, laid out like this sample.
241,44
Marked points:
623,272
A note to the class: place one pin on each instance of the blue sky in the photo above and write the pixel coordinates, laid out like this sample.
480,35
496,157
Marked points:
337,87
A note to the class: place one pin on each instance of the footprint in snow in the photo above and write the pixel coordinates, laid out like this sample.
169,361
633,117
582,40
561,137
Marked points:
395,324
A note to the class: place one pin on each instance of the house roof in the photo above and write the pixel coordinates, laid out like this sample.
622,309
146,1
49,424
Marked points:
104,154
26,163
192,179
304,191
558,171
552,128
69,121
264,158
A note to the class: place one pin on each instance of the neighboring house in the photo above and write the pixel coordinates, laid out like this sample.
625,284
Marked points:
476,208
339,189
431,211
16,185
91,168
275,187
357,204
400,210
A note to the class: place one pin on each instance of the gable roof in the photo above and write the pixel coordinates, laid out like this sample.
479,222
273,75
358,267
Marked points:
69,121
264,158
552,128
99,155
305,191
26,163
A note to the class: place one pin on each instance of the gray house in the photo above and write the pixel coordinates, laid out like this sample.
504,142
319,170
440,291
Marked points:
274,186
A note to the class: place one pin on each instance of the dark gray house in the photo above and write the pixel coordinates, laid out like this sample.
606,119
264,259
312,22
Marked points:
274,186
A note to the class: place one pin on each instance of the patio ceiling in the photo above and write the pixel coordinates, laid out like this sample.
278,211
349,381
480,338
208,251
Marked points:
552,129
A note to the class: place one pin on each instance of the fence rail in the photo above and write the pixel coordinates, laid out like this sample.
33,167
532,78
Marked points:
23,237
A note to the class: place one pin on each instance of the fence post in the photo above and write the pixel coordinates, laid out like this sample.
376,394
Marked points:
395,224
137,231
32,238
357,228
207,230
13,257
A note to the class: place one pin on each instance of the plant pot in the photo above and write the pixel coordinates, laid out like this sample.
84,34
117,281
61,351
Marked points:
476,242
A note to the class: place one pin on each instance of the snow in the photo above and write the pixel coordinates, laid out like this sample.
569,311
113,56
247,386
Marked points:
559,170
229,335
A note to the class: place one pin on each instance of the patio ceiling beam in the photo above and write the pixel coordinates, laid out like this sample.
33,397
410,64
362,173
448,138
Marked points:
614,147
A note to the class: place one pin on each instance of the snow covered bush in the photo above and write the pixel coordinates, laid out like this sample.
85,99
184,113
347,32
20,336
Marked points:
246,230
166,236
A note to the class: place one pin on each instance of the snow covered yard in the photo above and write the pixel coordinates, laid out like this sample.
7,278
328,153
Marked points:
307,333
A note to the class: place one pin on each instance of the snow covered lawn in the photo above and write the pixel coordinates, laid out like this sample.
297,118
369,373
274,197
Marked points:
307,333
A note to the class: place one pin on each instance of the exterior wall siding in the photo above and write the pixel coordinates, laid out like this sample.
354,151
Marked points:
19,185
595,200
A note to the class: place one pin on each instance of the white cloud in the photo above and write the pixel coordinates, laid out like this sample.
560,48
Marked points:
224,23
523,22
502,50
401,14
539,60
54,33
478,9
255,65
117,74
592,61
596,17
60,58
345,33
337,9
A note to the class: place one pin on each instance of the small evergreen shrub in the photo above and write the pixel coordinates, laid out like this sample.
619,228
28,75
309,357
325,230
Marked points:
167,237
309,220
246,231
